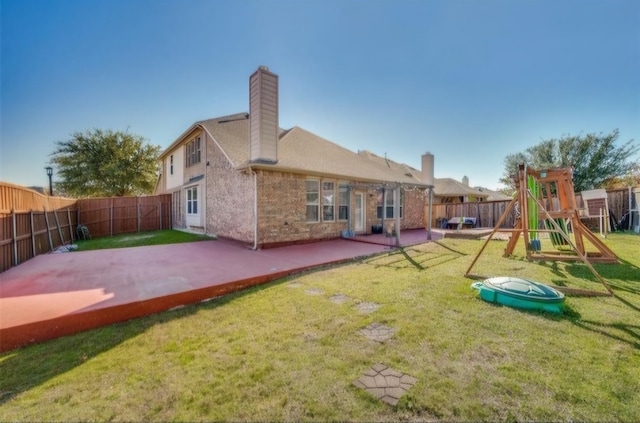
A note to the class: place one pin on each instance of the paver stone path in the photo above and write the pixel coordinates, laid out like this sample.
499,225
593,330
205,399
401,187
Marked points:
378,332
384,383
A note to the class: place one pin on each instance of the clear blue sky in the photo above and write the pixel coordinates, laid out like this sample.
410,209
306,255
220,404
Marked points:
468,80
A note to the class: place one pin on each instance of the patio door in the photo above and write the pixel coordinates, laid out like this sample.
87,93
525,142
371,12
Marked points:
359,215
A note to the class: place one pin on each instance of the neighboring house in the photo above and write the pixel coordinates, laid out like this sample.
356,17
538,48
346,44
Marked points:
243,177
494,195
449,190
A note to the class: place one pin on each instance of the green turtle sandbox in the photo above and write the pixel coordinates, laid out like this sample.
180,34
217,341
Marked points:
520,293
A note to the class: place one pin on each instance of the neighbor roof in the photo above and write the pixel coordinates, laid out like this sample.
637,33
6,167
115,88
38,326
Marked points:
447,187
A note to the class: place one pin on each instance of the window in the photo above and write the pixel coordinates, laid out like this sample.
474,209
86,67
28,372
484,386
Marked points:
171,165
386,197
328,201
193,152
343,202
192,200
177,207
313,200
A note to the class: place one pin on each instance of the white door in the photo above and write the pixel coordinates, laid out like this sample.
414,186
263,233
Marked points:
192,204
359,215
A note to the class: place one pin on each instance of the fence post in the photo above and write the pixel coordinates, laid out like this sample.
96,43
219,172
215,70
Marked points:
70,226
33,234
111,218
46,221
138,211
160,214
15,237
55,216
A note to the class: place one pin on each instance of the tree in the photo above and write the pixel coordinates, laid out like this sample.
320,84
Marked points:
105,164
595,158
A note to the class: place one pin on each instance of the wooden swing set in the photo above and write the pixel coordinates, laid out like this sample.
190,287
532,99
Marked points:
548,196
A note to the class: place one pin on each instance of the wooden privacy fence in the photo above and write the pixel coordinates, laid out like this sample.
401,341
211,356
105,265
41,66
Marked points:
33,224
486,213
24,235
121,215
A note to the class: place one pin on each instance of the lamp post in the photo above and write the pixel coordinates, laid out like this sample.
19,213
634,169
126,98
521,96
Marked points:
49,170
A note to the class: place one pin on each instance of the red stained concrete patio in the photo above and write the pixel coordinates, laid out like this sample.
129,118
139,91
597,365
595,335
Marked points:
54,295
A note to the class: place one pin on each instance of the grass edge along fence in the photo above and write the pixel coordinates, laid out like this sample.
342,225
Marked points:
32,223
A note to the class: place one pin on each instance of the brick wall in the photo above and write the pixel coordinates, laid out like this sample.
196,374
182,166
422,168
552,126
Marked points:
282,210
229,198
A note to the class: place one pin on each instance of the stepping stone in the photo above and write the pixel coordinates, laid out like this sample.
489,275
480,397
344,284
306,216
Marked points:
339,298
367,307
294,285
378,332
385,383
314,291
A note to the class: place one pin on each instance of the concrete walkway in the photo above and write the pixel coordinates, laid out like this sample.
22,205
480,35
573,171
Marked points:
54,295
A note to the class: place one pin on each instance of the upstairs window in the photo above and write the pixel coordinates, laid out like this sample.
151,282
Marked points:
171,165
193,153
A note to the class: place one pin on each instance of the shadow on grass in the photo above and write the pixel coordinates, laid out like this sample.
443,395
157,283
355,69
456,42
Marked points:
632,332
27,367
411,260
404,255
621,332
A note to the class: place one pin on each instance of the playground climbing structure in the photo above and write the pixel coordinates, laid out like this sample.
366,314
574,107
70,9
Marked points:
548,196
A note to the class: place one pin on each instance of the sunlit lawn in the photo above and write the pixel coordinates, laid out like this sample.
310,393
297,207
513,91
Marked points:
137,239
286,352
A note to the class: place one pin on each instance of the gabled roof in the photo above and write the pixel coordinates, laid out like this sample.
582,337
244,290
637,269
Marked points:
301,151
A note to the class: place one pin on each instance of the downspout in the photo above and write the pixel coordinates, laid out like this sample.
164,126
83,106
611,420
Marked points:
206,180
255,209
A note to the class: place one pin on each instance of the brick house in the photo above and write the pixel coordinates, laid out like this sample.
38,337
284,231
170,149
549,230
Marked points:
243,177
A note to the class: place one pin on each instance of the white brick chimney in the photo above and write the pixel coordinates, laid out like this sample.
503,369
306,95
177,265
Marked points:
263,116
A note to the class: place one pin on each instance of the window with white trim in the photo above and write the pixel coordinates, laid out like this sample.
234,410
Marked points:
328,201
313,200
192,200
386,197
343,202
193,153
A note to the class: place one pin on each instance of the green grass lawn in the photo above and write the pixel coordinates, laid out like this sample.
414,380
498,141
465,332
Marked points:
285,351
138,239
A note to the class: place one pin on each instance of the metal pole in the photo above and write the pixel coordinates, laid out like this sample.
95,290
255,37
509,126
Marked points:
396,212
430,217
